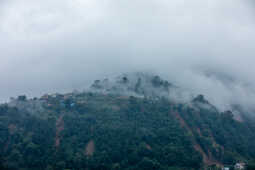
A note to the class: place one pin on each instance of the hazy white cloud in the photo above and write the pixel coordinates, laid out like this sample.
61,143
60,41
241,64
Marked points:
51,46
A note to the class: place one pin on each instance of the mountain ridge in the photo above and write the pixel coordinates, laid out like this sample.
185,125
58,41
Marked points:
92,129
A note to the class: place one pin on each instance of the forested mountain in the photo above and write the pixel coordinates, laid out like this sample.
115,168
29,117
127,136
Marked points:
131,124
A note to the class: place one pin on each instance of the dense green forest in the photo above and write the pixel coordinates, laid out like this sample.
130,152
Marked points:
97,131
109,128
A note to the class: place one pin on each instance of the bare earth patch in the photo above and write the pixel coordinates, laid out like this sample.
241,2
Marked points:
7,144
59,129
12,128
238,118
90,148
148,147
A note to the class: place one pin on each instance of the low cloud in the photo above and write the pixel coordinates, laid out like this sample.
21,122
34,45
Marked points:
204,46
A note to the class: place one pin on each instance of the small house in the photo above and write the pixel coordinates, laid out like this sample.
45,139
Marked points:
240,166
45,97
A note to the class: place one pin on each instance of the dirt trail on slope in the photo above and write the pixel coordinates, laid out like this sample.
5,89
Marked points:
214,144
11,129
59,128
90,148
196,145
7,144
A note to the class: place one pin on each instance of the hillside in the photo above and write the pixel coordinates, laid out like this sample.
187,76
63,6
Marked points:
131,124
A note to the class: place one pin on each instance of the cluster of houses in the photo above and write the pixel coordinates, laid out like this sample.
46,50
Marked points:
62,99
237,166
68,100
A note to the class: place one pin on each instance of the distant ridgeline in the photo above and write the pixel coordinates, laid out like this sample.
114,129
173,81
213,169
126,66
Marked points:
128,123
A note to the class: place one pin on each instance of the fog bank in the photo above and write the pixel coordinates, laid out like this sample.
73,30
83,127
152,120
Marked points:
206,46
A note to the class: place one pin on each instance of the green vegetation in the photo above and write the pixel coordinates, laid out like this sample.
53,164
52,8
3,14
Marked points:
96,131
251,165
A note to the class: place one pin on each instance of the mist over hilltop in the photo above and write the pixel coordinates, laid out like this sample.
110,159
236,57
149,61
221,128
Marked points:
203,46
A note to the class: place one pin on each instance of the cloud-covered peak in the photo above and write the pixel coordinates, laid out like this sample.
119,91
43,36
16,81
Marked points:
63,45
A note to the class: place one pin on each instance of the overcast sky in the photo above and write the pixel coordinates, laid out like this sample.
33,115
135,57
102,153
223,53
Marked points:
61,45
